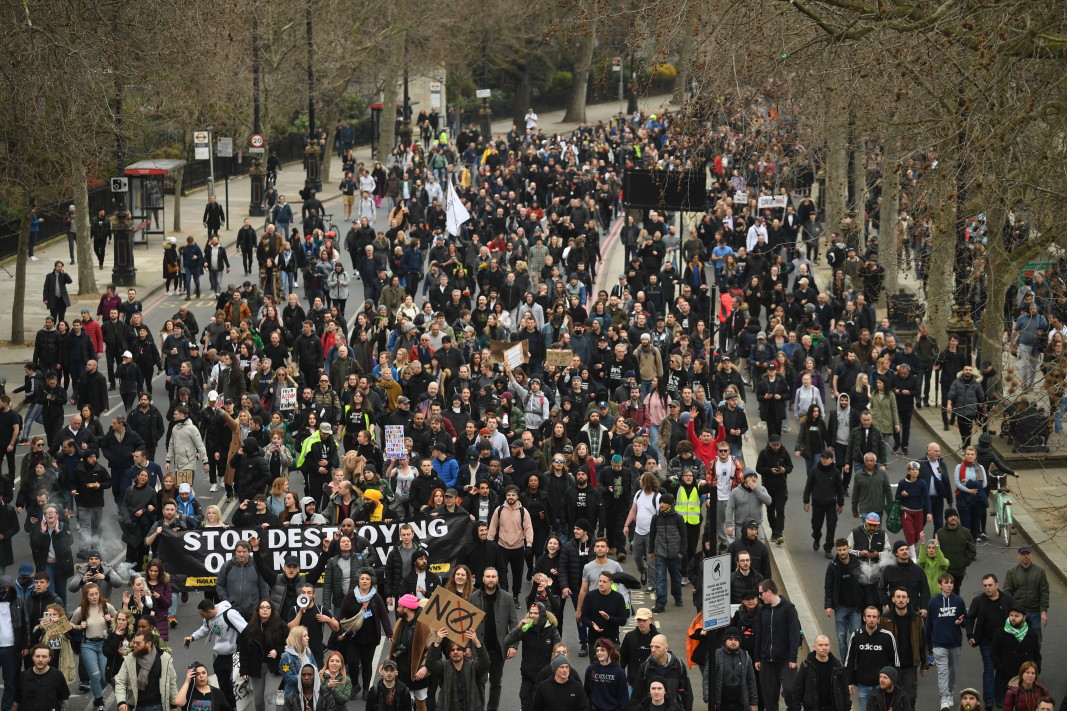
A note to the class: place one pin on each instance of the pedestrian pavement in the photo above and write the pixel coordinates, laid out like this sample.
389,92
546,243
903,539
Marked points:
149,259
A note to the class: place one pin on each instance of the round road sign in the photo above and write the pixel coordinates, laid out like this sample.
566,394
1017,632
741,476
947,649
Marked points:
200,138
256,140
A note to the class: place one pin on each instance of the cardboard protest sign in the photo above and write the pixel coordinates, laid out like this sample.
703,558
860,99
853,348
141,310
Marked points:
57,627
514,353
450,611
559,357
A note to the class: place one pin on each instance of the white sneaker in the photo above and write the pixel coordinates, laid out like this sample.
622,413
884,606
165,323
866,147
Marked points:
214,488
33,259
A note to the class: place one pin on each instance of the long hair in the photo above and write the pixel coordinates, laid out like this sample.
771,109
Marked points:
273,629
164,576
468,587
613,653
296,639
326,663
85,606
649,483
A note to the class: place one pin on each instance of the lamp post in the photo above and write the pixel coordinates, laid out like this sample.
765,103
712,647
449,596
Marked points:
123,272
311,151
256,174
405,124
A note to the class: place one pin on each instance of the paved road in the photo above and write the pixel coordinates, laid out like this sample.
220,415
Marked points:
674,623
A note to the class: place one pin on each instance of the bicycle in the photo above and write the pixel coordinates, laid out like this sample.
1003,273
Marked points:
1003,521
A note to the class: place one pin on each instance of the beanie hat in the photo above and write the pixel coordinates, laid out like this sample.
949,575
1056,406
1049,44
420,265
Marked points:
409,601
897,545
890,672
558,661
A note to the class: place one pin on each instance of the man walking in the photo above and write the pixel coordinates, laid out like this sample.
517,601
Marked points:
964,400
986,615
213,217
945,616
773,465
512,528
146,680
909,631
538,636
1028,585
821,682
870,649
777,640
496,628
938,477
224,624
957,544
667,541
824,497
842,595
461,682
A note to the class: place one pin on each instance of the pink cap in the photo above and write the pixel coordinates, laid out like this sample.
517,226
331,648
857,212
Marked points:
409,601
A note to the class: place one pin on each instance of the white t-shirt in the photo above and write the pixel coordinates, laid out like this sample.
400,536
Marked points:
647,507
403,482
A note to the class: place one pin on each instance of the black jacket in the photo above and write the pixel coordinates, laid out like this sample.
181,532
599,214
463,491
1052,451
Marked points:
904,575
806,688
824,486
777,633
986,617
942,486
842,584
251,471
49,292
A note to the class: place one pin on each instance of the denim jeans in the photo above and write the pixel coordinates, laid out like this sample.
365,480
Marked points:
847,620
665,566
862,692
287,282
9,666
194,277
1033,619
96,664
989,675
641,551
56,584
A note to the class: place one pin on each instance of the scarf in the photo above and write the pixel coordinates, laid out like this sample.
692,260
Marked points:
1019,633
144,668
361,598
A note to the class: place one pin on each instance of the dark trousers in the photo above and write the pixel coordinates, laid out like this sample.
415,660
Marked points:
114,357
100,250
9,666
496,671
223,668
361,663
776,680
908,680
904,437
583,631
246,261
966,426
526,692
10,457
776,487
926,379
937,510
514,558
774,426
819,513
146,379
840,450
57,309
616,517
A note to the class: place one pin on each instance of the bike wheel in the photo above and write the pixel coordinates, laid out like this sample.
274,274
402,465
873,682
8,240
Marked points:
1005,530
997,525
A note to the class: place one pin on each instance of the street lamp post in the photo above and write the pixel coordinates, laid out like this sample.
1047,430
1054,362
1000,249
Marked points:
123,272
311,151
256,174
405,125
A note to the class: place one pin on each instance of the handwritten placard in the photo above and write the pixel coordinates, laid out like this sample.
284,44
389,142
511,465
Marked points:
453,613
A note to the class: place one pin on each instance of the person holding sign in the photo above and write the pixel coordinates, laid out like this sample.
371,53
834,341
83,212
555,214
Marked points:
461,682
409,650
53,631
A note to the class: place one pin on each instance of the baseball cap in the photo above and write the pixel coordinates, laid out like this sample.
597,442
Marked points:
1025,549
127,354
389,664
291,560
184,488
643,613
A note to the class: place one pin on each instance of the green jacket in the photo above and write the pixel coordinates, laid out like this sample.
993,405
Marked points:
934,567
957,545
1028,586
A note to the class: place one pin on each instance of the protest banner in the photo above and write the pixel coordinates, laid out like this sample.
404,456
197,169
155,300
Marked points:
506,352
197,556
772,201
287,399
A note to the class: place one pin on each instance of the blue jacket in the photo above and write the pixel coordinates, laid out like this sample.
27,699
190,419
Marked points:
448,470
193,258
411,261
944,621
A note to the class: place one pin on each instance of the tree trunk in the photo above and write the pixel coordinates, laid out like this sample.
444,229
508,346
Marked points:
888,254
583,63
940,285
179,176
522,96
327,151
18,313
999,271
86,258
684,63
858,179
387,138
836,178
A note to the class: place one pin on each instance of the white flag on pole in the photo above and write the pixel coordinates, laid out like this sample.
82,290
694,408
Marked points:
455,213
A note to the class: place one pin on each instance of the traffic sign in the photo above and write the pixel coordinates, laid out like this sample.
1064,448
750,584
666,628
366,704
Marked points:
201,152
225,147
120,185
616,64
435,86
256,141
483,93
256,151
200,138
716,593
